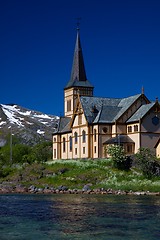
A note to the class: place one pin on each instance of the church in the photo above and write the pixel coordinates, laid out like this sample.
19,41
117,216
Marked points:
91,123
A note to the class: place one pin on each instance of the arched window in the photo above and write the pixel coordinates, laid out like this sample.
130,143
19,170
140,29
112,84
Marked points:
54,153
84,150
68,105
75,151
70,144
135,128
83,136
95,135
64,144
75,137
129,128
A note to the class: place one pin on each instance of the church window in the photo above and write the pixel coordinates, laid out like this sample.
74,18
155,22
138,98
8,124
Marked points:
95,149
155,120
70,144
129,128
135,128
68,105
54,153
75,151
54,139
75,137
83,136
64,144
105,130
95,135
129,149
84,150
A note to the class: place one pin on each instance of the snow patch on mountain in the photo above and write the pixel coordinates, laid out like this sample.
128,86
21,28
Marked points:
2,123
14,114
29,125
40,132
10,111
42,116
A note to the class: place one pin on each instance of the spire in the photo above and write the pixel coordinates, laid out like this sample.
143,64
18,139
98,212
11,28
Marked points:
78,69
78,73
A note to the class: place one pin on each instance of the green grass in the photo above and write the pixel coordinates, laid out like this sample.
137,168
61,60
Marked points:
76,173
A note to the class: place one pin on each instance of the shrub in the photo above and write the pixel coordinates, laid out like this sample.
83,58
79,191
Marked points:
41,152
147,162
118,157
5,171
19,151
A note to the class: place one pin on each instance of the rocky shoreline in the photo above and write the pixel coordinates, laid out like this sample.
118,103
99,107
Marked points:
19,189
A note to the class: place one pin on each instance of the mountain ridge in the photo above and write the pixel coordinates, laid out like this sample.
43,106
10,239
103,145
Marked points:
29,126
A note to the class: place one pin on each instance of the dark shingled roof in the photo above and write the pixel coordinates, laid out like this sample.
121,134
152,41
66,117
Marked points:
125,103
141,112
78,73
107,114
63,125
78,83
108,109
90,104
119,139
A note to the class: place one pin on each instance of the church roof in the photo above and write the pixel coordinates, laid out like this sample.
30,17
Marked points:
108,109
141,112
64,125
107,114
78,73
119,139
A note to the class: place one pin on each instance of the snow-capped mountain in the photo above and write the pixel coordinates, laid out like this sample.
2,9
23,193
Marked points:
28,125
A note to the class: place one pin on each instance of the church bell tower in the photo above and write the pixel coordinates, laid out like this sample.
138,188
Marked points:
78,83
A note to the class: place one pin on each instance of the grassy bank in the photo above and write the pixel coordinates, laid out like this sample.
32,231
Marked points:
74,174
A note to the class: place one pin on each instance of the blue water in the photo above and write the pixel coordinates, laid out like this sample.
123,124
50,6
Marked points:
58,216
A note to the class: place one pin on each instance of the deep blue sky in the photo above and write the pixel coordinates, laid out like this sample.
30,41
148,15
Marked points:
120,41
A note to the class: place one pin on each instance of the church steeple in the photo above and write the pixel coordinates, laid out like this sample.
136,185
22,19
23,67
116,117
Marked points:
78,74
78,84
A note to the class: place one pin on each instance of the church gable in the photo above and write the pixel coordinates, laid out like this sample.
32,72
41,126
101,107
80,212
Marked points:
151,120
145,111
78,118
129,106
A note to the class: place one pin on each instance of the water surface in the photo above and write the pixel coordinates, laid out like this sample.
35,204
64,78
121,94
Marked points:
58,216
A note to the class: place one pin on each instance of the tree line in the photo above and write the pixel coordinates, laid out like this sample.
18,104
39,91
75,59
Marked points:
21,153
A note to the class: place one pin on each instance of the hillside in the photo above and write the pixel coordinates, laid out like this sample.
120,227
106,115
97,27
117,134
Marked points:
29,126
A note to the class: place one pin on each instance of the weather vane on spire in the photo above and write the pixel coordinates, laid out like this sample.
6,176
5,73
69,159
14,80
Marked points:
78,22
